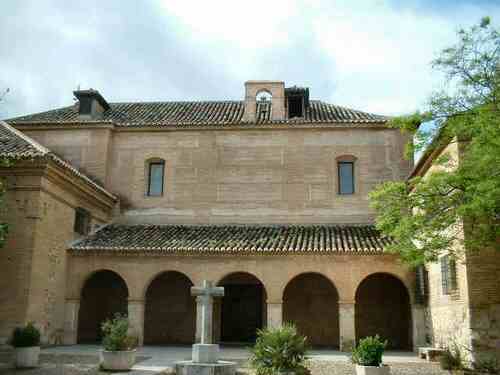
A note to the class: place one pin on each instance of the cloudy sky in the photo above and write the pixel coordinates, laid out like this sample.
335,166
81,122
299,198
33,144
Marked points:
372,55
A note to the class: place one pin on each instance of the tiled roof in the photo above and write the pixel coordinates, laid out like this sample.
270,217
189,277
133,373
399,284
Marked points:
264,239
15,145
198,114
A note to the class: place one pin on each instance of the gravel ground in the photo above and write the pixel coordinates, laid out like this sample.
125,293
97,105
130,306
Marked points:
66,364
345,368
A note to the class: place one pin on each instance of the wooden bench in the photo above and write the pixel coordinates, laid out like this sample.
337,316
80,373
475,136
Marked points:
430,354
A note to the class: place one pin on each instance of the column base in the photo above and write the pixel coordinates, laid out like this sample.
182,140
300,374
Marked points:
205,353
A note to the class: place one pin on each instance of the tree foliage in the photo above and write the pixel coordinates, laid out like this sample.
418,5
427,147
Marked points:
456,206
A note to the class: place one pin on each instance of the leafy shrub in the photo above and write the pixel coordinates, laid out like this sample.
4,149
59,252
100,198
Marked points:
488,366
116,337
23,337
369,351
279,350
451,359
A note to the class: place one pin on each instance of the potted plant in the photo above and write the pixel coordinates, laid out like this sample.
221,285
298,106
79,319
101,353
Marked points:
119,347
367,356
279,351
26,341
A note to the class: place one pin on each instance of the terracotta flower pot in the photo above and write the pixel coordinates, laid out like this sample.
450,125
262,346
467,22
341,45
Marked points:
27,356
117,360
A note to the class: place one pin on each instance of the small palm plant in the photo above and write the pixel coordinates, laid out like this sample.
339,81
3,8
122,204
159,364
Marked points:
279,351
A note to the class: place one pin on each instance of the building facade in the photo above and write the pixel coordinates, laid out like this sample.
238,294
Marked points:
267,196
461,294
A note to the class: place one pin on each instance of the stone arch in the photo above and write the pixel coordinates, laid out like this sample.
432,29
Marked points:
242,310
169,311
311,302
103,294
383,307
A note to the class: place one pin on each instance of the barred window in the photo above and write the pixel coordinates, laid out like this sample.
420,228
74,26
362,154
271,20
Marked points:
82,221
422,284
448,275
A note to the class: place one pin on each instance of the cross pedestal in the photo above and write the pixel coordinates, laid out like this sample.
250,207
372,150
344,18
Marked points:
205,354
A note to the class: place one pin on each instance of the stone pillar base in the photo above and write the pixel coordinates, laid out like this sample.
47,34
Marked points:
205,353
219,368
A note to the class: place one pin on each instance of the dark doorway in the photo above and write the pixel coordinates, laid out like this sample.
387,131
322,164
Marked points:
169,316
310,301
103,295
242,308
383,308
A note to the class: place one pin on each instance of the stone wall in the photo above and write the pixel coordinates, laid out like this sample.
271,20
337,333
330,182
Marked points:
40,213
237,176
483,273
86,149
21,213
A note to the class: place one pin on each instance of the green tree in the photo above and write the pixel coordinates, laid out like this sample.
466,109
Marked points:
425,216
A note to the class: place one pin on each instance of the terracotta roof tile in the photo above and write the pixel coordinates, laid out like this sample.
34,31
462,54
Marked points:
15,145
198,114
282,239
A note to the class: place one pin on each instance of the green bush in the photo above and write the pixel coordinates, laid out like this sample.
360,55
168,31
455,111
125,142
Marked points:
369,351
451,359
487,365
279,350
23,337
116,337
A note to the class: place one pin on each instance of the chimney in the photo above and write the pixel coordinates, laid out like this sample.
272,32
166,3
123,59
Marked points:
277,91
91,104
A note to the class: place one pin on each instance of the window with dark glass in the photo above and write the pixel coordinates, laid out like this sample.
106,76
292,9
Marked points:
346,177
422,284
82,221
448,274
155,178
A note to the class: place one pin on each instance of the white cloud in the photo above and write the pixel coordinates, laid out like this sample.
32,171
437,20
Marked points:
371,55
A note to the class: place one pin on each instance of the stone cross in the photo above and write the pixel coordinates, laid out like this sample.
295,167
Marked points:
204,305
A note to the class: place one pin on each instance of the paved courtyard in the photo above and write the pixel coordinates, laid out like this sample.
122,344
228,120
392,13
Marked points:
156,360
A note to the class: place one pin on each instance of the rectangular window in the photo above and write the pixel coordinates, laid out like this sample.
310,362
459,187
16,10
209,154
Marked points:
346,177
82,221
422,284
155,186
448,275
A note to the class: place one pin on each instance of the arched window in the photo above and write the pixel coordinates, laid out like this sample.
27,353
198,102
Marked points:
155,176
346,174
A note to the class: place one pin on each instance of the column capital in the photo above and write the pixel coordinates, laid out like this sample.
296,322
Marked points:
275,302
346,302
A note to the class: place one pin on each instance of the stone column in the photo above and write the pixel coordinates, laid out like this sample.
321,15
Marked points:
71,309
418,325
347,325
274,314
136,319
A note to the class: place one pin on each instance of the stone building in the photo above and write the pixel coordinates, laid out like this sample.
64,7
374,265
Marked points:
461,295
121,207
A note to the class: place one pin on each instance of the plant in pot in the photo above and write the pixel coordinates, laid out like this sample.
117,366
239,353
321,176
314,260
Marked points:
119,347
26,341
279,351
367,356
